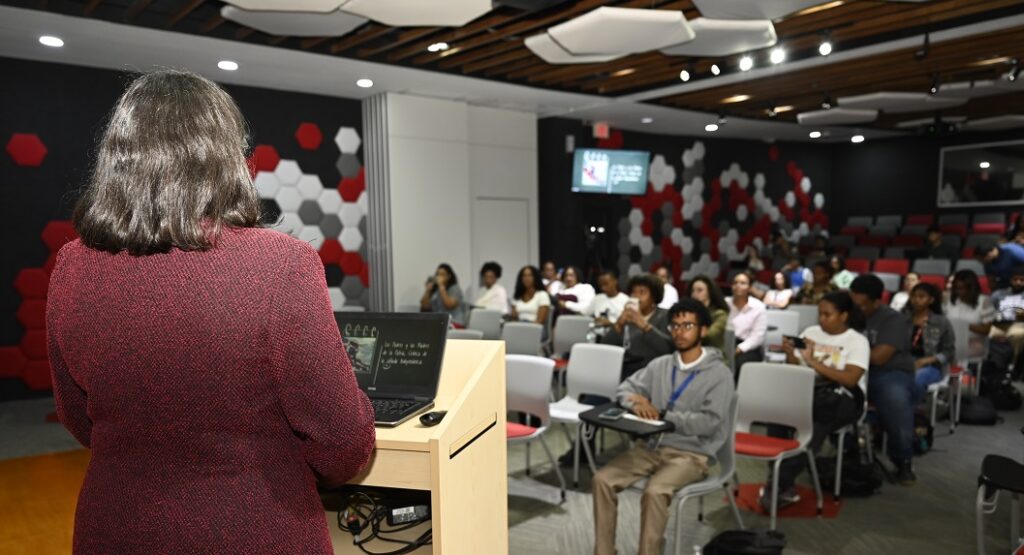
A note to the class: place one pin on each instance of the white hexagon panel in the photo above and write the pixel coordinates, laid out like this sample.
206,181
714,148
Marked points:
364,202
289,199
288,172
320,6
350,214
294,23
337,298
350,238
267,185
312,235
348,140
419,13
310,186
329,201
290,224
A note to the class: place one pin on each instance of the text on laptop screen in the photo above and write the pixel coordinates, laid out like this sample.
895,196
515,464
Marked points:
394,353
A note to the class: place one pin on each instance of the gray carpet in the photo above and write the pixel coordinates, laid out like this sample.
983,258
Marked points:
24,430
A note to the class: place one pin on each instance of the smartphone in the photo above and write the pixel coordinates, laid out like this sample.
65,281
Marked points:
798,342
633,302
612,414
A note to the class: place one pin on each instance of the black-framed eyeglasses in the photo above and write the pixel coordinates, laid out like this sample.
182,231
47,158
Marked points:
687,326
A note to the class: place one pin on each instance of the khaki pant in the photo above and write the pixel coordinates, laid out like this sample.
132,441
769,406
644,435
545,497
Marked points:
1014,333
668,470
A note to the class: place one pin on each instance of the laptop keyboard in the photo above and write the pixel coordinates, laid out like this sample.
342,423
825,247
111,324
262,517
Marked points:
391,407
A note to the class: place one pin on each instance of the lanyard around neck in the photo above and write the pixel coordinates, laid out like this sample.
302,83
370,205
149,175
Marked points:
677,392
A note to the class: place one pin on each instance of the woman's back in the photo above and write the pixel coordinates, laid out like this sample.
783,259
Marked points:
210,386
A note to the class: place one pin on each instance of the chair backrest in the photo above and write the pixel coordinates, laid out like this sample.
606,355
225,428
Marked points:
883,230
921,219
938,280
487,321
892,266
407,308
895,252
978,239
915,230
786,322
990,218
859,221
465,334
842,241
858,265
807,316
570,330
595,369
869,253
954,241
971,264
889,220
522,338
961,339
729,344
776,394
945,219
890,280
726,454
528,384
936,266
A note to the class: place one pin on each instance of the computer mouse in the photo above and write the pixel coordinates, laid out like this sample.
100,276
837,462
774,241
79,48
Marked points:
432,418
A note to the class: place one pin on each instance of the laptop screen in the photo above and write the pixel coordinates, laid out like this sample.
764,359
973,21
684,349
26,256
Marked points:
395,354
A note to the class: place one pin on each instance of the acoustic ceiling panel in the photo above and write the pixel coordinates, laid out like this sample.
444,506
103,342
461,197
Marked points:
294,24
548,50
752,9
619,31
416,13
725,37
997,123
837,116
319,6
979,89
921,122
899,102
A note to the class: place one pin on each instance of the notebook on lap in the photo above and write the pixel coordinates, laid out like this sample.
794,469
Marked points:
396,358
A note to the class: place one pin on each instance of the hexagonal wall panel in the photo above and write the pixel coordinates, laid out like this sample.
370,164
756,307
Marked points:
309,136
288,172
416,13
319,6
616,31
31,283
289,199
330,251
349,165
58,232
12,360
350,238
351,263
264,158
36,375
311,234
26,149
350,214
310,187
267,185
32,313
290,224
330,225
309,212
364,202
333,275
351,187
33,344
337,297
294,23
348,140
352,287
329,201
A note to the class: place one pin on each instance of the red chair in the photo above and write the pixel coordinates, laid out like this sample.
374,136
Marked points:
986,287
853,230
872,241
954,229
907,241
920,219
990,228
892,265
886,296
766,276
859,265
968,252
936,280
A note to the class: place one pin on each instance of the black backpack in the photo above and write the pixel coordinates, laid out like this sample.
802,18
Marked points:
997,385
978,410
924,434
746,542
860,478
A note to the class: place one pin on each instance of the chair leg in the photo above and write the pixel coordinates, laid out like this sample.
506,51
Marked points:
576,458
836,489
935,401
700,509
732,503
979,516
679,525
527,458
1014,520
959,397
586,451
817,482
554,464
775,493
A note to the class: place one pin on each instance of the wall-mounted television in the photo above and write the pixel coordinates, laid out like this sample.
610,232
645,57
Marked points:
615,172
982,175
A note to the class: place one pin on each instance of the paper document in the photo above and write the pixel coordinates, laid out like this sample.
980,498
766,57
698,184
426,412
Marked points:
636,418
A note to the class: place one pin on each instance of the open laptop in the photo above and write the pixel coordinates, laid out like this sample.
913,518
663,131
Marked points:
396,358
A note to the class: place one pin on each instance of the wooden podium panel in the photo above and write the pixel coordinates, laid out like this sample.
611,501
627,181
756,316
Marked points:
461,461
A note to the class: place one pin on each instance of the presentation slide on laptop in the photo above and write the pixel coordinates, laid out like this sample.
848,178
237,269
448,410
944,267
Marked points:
389,352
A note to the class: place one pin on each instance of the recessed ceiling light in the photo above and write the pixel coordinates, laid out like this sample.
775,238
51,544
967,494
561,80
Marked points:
711,127
715,70
684,75
778,55
624,72
780,109
646,120
227,65
825,48
984,165
746,63
735,98
438,47
364,83
49,40
814,134
856,139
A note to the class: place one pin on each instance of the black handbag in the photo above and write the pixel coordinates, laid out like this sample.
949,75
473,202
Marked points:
746,542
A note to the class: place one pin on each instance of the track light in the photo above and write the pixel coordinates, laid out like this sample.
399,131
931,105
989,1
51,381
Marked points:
935,84
826,103
925,48
746,63
715,70
684,75
1014,70
778,55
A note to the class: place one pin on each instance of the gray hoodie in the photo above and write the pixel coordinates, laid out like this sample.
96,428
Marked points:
700,415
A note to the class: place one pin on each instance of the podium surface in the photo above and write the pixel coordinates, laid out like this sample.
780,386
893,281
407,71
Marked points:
461,461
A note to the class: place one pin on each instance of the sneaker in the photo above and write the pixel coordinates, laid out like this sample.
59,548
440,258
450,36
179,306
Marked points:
787,497
905,474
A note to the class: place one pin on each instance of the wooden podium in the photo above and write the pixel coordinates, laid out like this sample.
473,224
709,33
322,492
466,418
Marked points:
461,461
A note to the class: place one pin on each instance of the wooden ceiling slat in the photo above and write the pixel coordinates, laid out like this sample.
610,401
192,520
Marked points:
306,44
512,56
452,37
244,33
91,7
367,32
276,40
508,68
183,11
215,21
403,38
135,9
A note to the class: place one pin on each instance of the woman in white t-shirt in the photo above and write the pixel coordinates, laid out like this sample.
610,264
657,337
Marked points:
840,355
530,303
779,293
491,294
899,300
575,297
967,302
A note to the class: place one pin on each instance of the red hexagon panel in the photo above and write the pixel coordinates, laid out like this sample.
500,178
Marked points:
309,136
351,263
32,283
58,232
12,360
264,158
36,375
351,187
32,313
33,344
26,149
330,251
364,275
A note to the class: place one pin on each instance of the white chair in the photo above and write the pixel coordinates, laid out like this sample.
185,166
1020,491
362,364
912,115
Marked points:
465,334
408,308
593,369
487,321
890,281
777,394
522,338
970,264
785,322
528,380
962,339
808,316
569,330
932,266
729,344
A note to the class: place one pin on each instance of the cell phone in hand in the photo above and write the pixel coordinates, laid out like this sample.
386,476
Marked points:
798,342
612,414
633,303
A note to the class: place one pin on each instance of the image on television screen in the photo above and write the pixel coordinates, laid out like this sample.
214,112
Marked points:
615,172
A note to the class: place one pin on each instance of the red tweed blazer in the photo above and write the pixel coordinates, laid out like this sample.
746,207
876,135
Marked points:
213,390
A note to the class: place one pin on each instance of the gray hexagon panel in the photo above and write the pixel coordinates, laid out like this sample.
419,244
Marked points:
352,287
310,213
364,299
349,165
330,225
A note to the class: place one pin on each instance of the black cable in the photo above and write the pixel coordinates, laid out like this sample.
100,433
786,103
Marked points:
367,515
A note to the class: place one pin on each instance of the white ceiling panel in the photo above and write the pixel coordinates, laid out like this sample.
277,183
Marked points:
295,24
416,13
752,9
619,31
837,116
548,50
900,102
725,37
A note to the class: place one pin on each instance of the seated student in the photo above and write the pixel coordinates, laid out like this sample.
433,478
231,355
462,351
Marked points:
575,296
1009,306
934,247
841,277
780,248
708,293
819,286
931,338
891,373
820,247
531,303
552,283
692,389
748,319
1000,261
780,293
492,295
839,354
443,294
966,302
642,328
798,274
609,303
899,300
751,260
671,296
